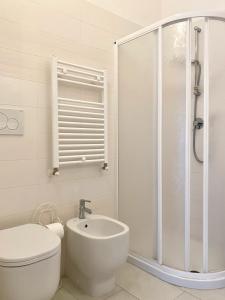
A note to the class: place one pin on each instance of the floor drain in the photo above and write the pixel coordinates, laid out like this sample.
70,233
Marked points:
193,271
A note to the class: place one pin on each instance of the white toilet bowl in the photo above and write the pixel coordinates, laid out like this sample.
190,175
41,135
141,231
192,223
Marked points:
29,263
96,247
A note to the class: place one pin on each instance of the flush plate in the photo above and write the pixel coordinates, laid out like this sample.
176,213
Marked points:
11,122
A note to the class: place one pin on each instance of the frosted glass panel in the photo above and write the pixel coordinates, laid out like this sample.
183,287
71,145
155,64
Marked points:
217,147
137,142
173,143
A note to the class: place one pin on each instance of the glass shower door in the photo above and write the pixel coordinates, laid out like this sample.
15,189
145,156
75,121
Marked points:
173,143
216,146
137,142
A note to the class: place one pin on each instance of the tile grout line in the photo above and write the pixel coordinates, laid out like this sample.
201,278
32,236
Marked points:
123,289
130,293
183,293
189,293
116,292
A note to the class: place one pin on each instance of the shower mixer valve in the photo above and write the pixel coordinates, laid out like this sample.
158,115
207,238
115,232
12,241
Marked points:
197,91
198,123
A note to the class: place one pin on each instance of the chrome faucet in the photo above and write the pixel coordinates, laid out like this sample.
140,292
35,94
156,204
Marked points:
83,209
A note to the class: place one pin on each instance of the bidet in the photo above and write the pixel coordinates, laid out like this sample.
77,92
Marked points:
96,247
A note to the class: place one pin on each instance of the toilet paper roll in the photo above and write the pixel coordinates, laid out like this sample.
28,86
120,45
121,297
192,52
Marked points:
57,228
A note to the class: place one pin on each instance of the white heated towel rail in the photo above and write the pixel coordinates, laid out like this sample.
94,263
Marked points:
79,126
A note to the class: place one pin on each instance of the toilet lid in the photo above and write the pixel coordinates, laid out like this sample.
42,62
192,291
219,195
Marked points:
26,244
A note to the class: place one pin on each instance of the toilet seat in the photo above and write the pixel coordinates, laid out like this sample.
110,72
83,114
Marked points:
26,244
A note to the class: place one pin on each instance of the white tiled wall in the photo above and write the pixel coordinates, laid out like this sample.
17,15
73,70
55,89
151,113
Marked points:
31,31
170,7
142,12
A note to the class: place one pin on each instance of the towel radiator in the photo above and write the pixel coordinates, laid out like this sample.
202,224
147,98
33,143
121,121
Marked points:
79,126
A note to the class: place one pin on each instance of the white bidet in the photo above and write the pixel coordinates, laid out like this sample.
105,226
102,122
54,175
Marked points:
96,247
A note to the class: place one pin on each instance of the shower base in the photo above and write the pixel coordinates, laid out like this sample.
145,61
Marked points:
181,278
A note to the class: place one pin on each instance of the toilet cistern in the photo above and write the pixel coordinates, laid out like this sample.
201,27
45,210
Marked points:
83,209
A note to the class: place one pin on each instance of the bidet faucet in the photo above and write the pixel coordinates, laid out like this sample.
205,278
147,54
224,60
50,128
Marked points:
83,209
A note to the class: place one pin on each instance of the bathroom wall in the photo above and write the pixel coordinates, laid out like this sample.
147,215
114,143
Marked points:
31,32
142,12
170,7
146,12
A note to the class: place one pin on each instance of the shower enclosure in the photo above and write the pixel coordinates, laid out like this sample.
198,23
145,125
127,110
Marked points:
171,147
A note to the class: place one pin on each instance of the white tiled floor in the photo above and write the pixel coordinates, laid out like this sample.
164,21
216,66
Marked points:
135,284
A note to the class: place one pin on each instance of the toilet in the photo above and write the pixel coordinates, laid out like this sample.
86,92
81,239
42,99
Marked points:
29,263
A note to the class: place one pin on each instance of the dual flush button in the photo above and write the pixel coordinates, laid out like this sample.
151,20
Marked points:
11,122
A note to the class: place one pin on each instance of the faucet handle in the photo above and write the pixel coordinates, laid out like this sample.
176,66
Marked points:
83,201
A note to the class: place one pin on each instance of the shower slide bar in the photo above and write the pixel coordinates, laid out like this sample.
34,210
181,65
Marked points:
185,278
79,126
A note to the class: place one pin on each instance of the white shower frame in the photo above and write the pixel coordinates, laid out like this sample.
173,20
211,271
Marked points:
185,278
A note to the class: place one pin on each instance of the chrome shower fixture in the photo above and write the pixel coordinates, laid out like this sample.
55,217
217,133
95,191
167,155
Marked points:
198,123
